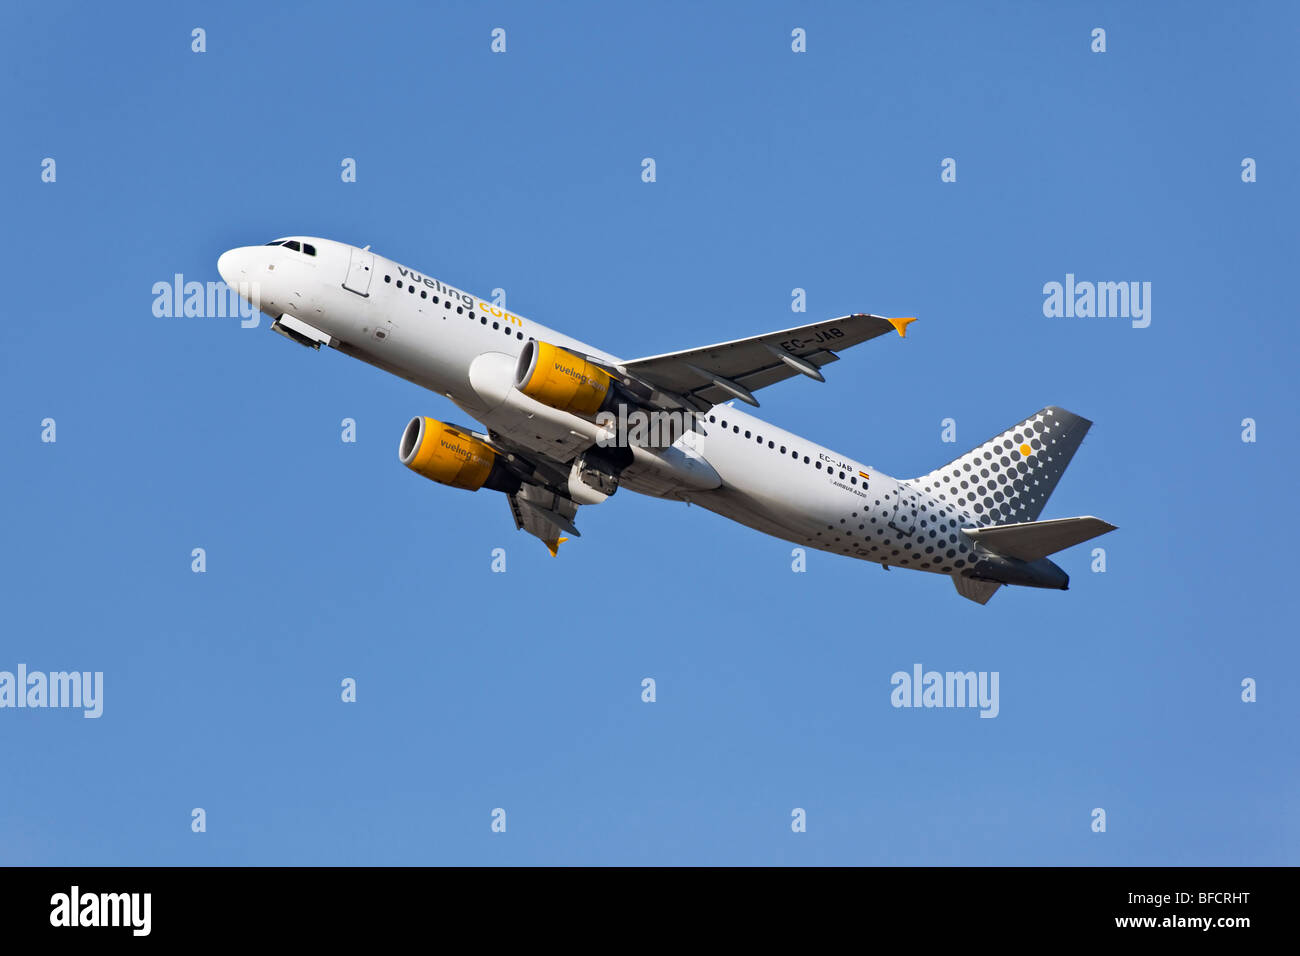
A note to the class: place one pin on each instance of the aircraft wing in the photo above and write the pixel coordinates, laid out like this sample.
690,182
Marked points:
544,514
537,506
707,376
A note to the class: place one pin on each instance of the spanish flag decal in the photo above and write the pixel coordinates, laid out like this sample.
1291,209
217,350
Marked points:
864,474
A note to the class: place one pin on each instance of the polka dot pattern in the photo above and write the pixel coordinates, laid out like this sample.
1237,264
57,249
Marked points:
917,523
1008,478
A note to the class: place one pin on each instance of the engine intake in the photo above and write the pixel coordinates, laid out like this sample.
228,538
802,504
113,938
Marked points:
451,456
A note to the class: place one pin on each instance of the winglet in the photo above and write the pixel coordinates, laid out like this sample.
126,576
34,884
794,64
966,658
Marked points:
901,325
554,546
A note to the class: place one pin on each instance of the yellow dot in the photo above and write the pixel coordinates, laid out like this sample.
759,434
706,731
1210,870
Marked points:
1024,450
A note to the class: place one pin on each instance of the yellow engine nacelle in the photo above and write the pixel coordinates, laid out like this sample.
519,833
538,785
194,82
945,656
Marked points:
451,456
563,380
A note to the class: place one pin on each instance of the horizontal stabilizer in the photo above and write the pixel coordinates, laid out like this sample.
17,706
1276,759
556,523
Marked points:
974,589
1031,540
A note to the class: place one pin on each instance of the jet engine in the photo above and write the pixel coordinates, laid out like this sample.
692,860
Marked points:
451,456
564,380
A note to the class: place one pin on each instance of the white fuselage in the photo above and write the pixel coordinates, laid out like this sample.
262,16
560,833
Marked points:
735,464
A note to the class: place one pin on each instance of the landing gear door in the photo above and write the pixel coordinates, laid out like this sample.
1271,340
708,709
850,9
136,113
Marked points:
359,270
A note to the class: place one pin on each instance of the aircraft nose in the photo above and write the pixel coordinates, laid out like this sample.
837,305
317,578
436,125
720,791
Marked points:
231,267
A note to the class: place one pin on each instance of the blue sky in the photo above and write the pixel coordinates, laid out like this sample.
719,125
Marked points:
775,171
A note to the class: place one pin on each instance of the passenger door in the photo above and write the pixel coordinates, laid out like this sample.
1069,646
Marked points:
359,270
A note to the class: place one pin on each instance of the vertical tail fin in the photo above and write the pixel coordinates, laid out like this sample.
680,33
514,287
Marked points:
1010,476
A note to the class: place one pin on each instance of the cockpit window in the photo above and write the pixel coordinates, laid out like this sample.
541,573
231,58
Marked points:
295,245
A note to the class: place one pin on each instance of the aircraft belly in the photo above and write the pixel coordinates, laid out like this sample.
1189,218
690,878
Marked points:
644,481
732,504
789,501
413,351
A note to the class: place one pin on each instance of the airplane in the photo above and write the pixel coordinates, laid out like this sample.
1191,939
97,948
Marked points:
565,424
